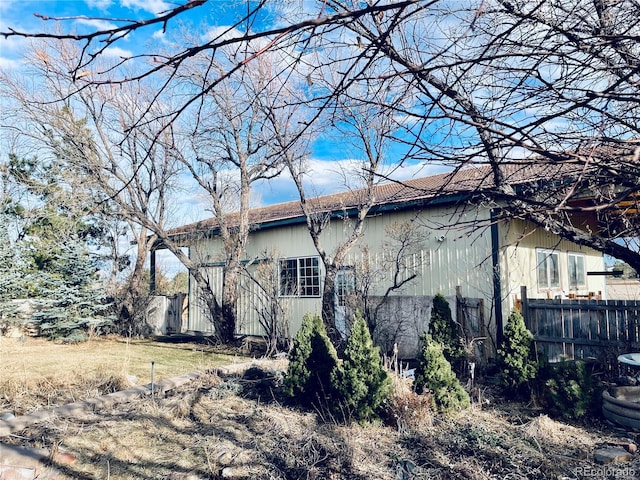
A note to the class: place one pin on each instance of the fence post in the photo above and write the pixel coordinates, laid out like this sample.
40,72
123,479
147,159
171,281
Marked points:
525,306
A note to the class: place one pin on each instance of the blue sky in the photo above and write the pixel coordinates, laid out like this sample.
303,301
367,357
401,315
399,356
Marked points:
329,161
87,15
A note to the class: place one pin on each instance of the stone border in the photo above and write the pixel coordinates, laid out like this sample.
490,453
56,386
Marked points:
16,424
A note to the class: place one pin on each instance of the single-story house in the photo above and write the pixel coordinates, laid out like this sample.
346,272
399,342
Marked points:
424,229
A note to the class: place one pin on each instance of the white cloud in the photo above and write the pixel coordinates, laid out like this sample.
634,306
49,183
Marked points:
117,52
152,6
99,4
95,23
9,63
221,33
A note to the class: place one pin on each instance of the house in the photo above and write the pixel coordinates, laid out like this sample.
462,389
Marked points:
427,232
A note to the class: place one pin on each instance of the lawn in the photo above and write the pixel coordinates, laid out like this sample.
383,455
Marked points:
37,372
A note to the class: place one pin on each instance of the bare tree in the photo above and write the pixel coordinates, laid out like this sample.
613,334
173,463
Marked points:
262,282
376,279
232,148
542,90
127,177
364,129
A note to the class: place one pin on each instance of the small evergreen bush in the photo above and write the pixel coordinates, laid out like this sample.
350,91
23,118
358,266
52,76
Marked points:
567,389
434,375
362,384
312,361
515,357
445,331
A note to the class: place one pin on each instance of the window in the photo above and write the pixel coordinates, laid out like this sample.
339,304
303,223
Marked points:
345,285
300,277
577,276
548,270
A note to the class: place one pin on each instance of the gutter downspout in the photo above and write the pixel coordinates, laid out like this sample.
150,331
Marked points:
152,272
497,285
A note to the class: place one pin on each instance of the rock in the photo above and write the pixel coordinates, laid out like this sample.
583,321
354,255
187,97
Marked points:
225,458
626,443
607,455
64,458
6,416
233,472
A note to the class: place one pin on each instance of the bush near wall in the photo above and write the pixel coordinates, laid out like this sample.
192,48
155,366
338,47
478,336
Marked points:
515,361
354,389
311,363
434,375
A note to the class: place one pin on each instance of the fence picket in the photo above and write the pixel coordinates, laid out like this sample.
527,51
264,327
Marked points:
582,328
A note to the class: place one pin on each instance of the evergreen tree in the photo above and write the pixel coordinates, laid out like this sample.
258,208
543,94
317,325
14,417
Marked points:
10,275
515,356
445,331
70,299
434,375
57,269
363,383
311,363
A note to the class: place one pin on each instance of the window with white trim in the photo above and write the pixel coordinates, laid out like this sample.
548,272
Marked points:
577,273
345,285
300,277
548,269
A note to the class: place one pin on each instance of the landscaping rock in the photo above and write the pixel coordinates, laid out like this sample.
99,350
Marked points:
22,463
607,455
626,443
233,472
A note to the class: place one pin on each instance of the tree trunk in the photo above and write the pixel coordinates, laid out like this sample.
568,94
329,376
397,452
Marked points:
329,306
227,326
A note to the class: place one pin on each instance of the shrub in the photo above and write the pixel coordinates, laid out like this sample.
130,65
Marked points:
515,357
362,384
311,362
445,331
434,375
567,389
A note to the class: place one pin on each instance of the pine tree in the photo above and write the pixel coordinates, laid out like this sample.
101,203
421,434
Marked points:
10,275
515,357
445,331
70,300
434,375
57,236
363,383
311,363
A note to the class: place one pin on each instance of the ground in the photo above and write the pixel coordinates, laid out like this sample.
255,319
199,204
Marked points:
223,425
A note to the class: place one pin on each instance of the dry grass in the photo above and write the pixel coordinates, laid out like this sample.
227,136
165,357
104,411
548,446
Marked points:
211,426
237,428
38,373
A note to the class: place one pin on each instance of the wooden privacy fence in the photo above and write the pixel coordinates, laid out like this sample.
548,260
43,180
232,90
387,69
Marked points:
581,329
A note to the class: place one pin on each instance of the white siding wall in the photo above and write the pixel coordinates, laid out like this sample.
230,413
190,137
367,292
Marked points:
462,258
519,263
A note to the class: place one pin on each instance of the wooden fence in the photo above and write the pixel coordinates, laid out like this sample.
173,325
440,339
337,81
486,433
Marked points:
582,328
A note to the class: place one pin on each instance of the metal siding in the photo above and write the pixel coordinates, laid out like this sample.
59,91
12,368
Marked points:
461,259
519,261
198,319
